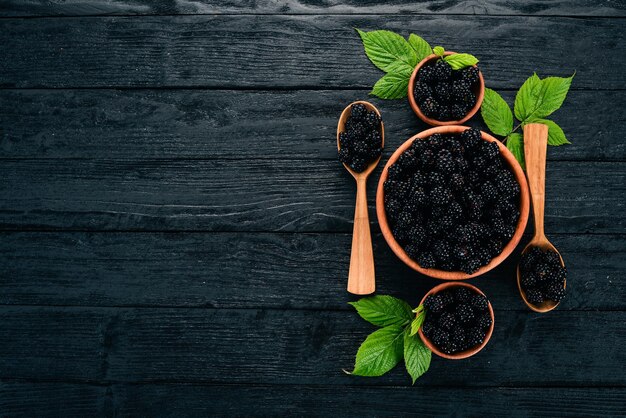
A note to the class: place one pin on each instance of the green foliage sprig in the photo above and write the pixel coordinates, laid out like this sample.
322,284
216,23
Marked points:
536,99
398,57
383,349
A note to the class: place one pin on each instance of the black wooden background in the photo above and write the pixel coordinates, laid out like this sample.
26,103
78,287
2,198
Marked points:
175,228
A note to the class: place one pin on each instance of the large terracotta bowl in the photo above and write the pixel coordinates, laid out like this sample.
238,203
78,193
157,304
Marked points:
479,91
471,351
524,205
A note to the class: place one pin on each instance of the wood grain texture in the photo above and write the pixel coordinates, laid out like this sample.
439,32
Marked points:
54,399
191,400
257,195
155,124
241,270
152,7
291,347
293,51
177,400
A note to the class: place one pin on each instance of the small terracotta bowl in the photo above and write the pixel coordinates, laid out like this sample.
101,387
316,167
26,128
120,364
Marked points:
442,274
479,91
471,351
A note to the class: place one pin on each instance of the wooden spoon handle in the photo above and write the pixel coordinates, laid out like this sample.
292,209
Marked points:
535,148
361,279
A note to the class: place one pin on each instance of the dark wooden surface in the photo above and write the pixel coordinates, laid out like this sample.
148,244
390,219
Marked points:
175,229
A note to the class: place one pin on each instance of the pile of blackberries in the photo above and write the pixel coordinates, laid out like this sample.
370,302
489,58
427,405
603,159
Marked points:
452,201
445,94
542,276
361,141
457,319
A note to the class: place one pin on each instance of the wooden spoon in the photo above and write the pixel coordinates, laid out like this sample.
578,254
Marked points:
361,278
535,148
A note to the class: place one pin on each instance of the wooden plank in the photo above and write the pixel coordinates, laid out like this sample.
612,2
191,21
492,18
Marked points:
237,270
293,51
55,399
194,400
155,7
289,347
148,124
255,195
41,399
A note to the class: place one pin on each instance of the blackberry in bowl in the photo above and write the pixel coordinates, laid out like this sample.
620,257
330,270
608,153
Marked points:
440,95
459,320
452,202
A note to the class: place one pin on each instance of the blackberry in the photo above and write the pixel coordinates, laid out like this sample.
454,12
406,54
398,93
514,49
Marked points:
435,179
507,184
418,197
462,294
444,112
489,192
447,321
356,127
441,250
416,235
528,280
483,255
495,246
394,172
426,260
484,321
462,253
439,195
345,140
412,250
464,313
479,302
436,141
555,292
400,234
471,138
440,338
490,150
405,219
470,75
358,111
426,158
457,335
426,74
457,182
444,163
421,91
393,207
470,266
447,298
358,164
344,155
456,148
552,258
430,107
479,162
501,229
374,139
418,179
442,70
455,210
434,304
474,336
372,120
443,92
428,328
395,188
462,92
407,160
457,111
534,296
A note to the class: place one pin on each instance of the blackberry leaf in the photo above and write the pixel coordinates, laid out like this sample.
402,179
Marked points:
496,113
391,86
383,310
416,356
526,97
460,61
419,319
384,47
420,46
515,144
556,136
380,352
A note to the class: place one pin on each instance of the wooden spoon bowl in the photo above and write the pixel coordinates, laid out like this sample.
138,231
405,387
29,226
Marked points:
535,149
361,276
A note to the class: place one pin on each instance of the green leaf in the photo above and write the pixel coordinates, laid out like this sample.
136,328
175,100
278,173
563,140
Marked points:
556,136
416,356
552,95
526,97
384,48
496,113
380,352
420,46
391,86
460,61
438,50
515,144
419,319
540,98
383,310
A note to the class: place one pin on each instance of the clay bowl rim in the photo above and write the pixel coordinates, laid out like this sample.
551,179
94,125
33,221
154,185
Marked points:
435,122
524,207
471,351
